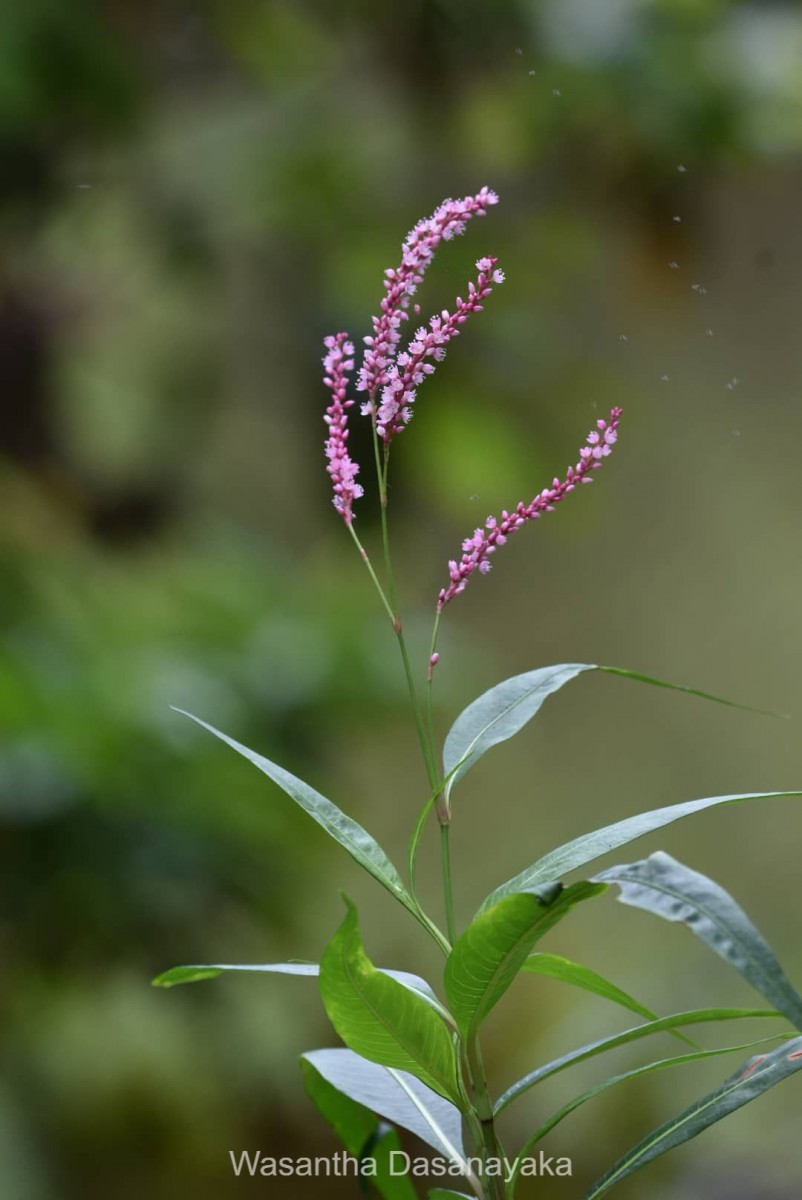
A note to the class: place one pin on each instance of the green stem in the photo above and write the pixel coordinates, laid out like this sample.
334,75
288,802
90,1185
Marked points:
430,681
483,1107
445,859
364,556
425,735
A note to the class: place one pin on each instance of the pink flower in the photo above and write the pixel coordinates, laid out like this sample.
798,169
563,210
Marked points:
477,549
343,471
411,367
447,221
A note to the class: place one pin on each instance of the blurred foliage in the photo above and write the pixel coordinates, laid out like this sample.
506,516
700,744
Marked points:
192,194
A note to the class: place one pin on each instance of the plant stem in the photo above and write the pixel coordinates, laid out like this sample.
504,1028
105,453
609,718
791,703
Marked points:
483,1107
445,859
364,556
430,681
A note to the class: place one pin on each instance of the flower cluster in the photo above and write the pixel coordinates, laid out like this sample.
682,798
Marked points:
342,469
447,221
478,548
411,367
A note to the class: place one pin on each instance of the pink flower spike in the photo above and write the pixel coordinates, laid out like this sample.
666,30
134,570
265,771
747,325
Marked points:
447,221
337,364
478,549
406,375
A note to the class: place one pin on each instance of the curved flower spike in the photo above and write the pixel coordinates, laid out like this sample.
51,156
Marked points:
447,221
478,548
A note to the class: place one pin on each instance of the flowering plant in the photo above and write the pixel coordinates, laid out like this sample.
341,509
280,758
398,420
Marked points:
412,1057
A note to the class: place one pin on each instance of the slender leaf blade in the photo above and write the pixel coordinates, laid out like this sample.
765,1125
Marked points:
590,846
486,958
636,1072
639,677
197,974
498,714
696,1016
362,847
762,1072
665,887
395,1095
381,1019
360,1132
554,966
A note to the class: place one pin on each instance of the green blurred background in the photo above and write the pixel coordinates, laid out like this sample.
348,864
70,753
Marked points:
193,194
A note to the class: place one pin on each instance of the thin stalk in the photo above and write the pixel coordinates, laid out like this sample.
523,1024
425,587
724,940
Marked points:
430,681
445,860
483,1107
364,556
382,467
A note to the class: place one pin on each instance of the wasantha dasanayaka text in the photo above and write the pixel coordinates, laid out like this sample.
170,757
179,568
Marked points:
343,1164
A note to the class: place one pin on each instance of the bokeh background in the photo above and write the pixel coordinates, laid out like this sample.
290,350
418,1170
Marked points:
193,194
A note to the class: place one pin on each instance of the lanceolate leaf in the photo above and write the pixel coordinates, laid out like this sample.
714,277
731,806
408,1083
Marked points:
624,1077
490,953
395,1095
555,967
590,846
196,974
665,887
356,840
360,1132
380,1018
757,1076
441,1194
500,712
675,1021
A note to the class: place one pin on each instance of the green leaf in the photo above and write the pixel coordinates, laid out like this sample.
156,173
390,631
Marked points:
696,1016
555,967
442,1194
635,1073
756,1077
196,974
360,1132
499,713
667,888
486,958
590,846
395,1095
639,677
381,1019
363,848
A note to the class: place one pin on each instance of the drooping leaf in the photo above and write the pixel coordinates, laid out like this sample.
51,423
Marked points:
639,677
196,974
590,846
625,1076
362,847
554,966
661,885
381,1019
756,1077
696,1016
499,713
360,1132
395,1095
486,958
